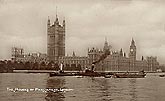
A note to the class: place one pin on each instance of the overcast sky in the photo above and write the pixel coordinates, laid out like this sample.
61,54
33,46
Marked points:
23,23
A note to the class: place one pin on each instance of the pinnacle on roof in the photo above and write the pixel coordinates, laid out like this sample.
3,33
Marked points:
132,42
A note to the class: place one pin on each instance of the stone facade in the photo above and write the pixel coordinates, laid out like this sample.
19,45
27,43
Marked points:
153,64
55,40
35,57
74,62
19,55
118,61
94,54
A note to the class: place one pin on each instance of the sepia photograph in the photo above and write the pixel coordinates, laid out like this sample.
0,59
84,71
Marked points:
82,50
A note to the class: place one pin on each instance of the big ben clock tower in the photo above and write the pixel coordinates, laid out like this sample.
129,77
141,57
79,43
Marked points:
132,54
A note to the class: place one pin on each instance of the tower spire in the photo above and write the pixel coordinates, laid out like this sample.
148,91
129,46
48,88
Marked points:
106,45
56,22
121,52
132,53
132,42
48,21
56,12
142,58
64,22
73,54
124,54
106,39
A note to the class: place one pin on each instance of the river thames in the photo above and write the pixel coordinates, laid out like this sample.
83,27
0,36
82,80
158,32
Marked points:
41,87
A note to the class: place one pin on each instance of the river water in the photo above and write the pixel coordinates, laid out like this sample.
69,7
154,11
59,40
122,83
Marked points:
41,87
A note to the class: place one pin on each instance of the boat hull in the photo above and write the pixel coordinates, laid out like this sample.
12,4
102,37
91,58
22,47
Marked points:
91,74
161,75
61,74
130,75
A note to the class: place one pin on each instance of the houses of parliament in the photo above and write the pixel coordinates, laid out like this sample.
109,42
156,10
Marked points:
115,61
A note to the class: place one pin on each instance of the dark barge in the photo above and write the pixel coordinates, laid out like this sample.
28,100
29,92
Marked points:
163,75
130,75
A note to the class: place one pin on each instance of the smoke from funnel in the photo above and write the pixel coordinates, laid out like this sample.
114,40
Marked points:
103,56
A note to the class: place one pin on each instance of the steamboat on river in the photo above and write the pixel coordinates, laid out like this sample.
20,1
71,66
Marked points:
101,74
92,73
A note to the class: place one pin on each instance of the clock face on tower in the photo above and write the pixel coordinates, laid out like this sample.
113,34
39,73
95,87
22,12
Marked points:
131,50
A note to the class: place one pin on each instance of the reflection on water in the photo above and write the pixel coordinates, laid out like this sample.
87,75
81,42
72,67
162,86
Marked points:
55,83
103,88
151,88
132,85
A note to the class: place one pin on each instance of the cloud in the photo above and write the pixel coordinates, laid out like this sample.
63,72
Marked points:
23,23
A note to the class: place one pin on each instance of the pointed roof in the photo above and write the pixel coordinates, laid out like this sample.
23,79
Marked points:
142,58
132,42
106,44
56,12
121,52
56,16
73,54
48,20
63,23
106,40
124,54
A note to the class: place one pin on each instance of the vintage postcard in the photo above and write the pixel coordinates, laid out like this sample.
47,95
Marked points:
82,50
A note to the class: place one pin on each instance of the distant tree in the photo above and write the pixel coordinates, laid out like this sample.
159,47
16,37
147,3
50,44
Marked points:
79,67
43,65
2,66
56,66
21,65
35,66
73,67
27,65
51,65
9,64
51,62
15,64
67,67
